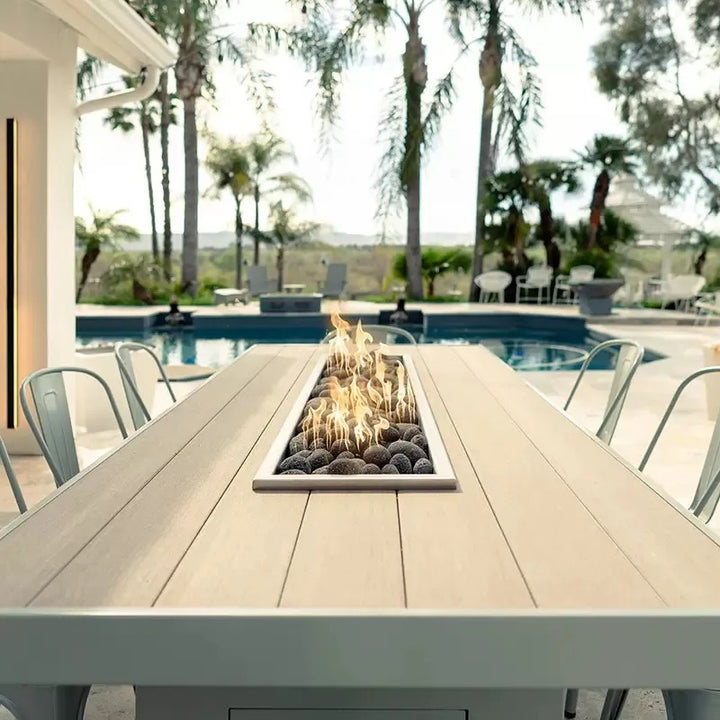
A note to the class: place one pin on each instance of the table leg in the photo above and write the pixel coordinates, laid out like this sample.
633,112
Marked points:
45,702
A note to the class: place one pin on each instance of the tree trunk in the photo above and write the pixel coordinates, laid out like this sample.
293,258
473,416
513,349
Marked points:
238,244
280,265
88,258
165,154
256,239
490,68
431,287
415,75
190,229
145,127
597,206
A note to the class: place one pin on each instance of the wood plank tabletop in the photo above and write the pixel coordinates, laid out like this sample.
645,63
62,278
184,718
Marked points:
545,517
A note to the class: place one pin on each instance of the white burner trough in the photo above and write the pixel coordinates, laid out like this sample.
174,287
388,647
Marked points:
268,477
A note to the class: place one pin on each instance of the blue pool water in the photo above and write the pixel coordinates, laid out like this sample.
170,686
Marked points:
523,348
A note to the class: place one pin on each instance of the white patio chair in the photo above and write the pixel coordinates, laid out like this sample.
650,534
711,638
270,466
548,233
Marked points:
538,279
381,334
707,307
681,290
492,283
258,282
631,294
628,360
565,284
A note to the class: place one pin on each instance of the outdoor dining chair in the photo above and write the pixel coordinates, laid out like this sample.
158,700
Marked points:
628,360
335,280
52,427
564,290
681,290
493,283
138,409
389,332
538,279
12,478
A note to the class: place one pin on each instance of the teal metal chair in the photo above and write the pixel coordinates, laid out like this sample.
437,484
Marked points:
628,360
386,332
51,423
123,354
12,478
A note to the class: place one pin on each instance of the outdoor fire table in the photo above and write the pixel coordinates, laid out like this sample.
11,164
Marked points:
550,563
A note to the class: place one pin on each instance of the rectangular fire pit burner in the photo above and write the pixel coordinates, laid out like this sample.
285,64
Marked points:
361,422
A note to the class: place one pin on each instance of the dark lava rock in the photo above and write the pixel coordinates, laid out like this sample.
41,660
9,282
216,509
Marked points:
346,455
408,430
312,404
410,450
321,471
317,444
341,445
401,462
297,443
391,434
295,462
319,458
377,455
304,453
344,466
293,472
390,470
423,467
420,440
370,469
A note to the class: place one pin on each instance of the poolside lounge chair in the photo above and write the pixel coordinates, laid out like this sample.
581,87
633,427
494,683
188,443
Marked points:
538,278
51,423
381,334
681,290
258,282
12,478
335,280
565,284
707,307
227,296
493,283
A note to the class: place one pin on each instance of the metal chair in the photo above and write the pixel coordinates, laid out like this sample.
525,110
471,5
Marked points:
53,427
492,283
376,331
628,361
565,284
12,478
123,354
538,278
335,280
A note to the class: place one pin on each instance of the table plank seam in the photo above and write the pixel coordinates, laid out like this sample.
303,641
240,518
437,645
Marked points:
90,539
402,556
484,492
600,524
232,479
294,548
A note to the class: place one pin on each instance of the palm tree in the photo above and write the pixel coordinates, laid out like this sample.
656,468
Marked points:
228,161
103,232
611,154
266,151
435,263
138,270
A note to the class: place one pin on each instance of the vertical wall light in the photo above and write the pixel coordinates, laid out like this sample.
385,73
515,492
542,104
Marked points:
11,281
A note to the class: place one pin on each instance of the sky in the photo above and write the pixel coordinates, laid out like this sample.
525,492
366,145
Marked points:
110,174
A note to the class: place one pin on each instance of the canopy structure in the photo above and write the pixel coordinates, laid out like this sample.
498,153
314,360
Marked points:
634,205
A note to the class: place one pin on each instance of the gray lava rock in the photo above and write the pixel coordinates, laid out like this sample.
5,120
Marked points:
402,463
293,472
346,455
320,471
411,451
341,445
420,440
297,443
344,466
423,467
391,434
390,470
408,430
319,458
377,455
370,469
295,462
304,453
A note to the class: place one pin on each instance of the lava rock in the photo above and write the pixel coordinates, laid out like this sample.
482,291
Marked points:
420,440
321,470
304,453
317,444
343,466
346,455
411,451
377,455
390,470
423,467
408,430
297,443
319,458
292,471
295,462
391,434
341,445
370,469
402,463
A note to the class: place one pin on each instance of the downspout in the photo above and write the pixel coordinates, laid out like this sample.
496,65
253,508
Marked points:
150,81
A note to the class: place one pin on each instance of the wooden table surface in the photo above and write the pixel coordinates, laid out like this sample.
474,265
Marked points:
546,518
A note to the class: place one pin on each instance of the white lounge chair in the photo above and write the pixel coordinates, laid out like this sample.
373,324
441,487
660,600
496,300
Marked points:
681,290
227,296
335,280
538,279
707,307
565,284
493,283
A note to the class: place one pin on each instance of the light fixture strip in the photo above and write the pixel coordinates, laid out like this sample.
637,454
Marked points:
12,272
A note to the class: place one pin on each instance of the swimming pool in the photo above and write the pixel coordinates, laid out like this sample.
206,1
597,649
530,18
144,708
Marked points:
523,349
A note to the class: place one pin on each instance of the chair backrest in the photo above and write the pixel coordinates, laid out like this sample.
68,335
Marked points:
493,281
258,282
53,427
683,287
539,275
707,493
12,478
381,334
628,360
336,278
581,273
138,408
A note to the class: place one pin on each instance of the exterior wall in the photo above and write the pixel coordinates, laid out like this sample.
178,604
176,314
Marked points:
40,94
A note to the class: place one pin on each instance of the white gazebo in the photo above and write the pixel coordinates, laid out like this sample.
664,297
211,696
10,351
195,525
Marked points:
39,42
634,205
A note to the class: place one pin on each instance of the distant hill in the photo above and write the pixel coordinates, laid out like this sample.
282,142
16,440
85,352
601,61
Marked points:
221,240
